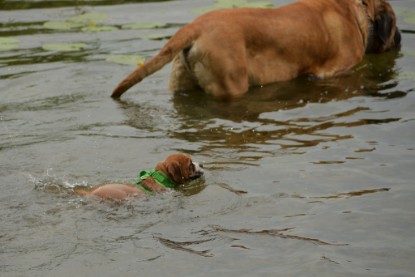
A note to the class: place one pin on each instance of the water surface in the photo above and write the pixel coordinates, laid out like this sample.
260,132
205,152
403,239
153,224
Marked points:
304,178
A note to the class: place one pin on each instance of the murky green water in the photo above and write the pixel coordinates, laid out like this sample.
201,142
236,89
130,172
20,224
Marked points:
304,178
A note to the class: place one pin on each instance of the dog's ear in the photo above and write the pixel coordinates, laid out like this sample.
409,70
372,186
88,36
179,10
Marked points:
175,171
370,8
384,25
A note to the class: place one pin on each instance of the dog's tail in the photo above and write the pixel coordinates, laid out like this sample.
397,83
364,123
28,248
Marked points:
183,38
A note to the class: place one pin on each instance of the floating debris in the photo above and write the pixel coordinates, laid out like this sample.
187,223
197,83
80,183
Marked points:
275,233
352,193
231,189
182,246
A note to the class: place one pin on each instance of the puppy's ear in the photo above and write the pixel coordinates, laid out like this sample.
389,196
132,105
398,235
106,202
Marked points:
384,24
175,172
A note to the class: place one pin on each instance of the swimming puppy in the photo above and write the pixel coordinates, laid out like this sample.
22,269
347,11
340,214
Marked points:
225,52
175,170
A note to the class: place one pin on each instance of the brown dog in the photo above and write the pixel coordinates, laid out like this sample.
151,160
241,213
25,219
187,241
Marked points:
225,52
175,170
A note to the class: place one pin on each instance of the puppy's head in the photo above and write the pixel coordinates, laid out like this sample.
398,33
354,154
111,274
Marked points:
386,33
180,168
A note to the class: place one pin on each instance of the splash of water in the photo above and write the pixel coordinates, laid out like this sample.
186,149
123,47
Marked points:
51,182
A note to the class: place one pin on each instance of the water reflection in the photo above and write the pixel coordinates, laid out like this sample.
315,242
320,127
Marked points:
374,77
340,192
272,115
283,116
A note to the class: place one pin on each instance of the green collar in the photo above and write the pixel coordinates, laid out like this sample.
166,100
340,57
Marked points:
158,176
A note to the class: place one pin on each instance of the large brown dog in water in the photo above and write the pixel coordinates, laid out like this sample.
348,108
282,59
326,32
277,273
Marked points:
225,52
175,170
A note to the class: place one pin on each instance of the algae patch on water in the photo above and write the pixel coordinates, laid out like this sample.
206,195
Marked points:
407,15
94,22
87,22
226,4
7,43
127,59
144,25
65,47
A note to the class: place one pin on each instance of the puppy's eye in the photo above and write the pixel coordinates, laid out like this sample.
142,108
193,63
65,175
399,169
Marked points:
192,167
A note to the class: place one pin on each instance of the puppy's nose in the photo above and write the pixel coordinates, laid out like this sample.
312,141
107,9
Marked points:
198,168
397,38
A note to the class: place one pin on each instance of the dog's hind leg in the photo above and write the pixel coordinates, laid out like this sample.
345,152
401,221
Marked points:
231,84
197,66
223,79
181,78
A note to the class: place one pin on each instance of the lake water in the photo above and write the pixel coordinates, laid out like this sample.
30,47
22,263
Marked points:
303,178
